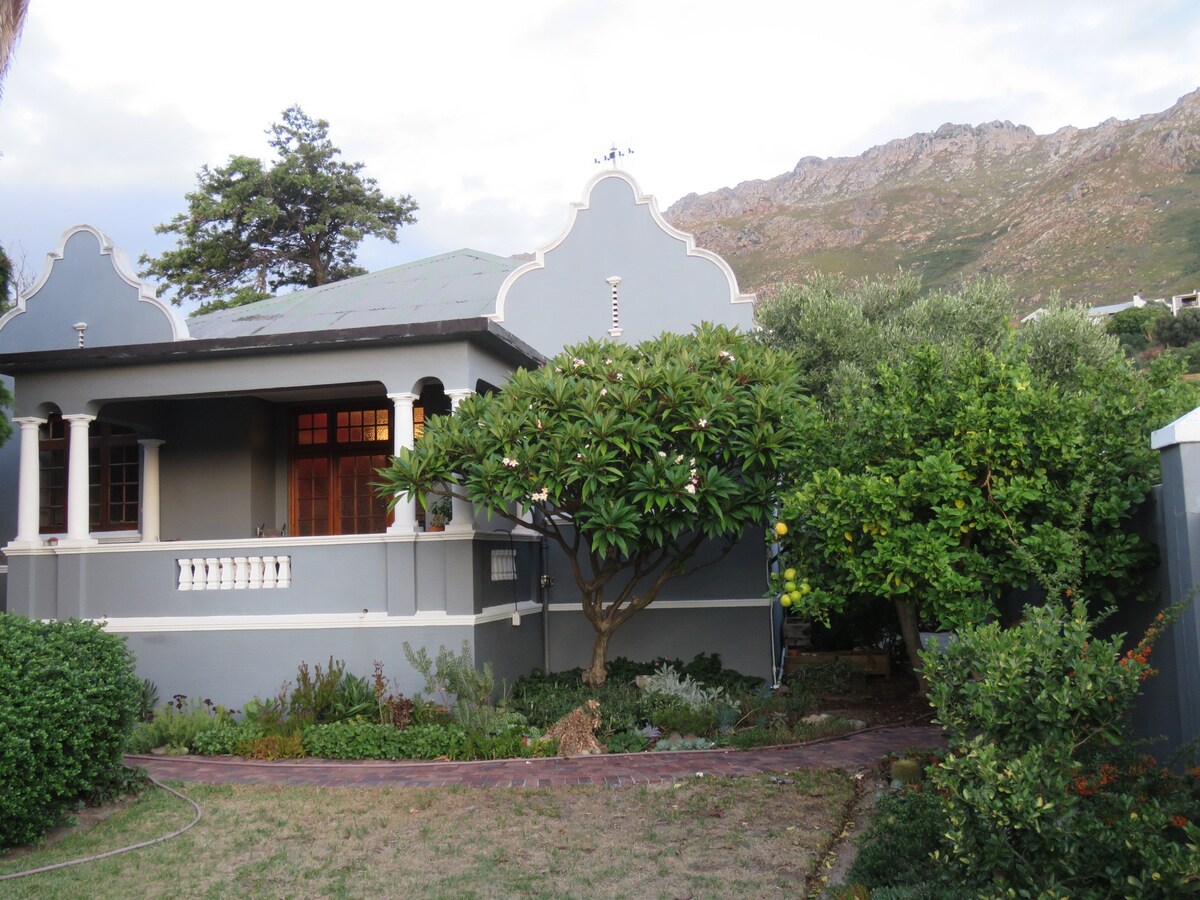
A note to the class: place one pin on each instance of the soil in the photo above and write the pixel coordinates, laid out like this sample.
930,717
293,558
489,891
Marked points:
878,700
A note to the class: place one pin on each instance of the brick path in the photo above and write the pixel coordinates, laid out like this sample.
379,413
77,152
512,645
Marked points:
856,751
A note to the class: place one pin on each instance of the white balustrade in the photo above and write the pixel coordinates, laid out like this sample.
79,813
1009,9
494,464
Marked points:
224,573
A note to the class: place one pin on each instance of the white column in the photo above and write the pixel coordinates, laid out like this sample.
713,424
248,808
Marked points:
151,531
463,518
29,484
404,519
78,530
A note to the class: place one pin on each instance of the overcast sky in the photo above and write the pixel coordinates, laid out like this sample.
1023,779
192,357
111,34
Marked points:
490,114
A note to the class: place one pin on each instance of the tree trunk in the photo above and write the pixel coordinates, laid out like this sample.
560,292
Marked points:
597,673
910,629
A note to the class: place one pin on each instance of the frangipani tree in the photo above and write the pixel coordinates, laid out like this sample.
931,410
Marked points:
627,458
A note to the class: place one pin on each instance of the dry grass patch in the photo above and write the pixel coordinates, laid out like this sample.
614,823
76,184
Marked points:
703,837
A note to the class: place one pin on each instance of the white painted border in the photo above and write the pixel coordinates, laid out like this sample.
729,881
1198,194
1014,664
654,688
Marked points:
120,264
728,603
1184,430
210,547
312,621
648,200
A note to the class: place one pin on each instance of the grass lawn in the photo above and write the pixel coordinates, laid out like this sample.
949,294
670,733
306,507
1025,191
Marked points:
702,837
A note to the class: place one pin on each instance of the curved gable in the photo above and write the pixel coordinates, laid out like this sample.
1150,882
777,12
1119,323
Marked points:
87,281
666,283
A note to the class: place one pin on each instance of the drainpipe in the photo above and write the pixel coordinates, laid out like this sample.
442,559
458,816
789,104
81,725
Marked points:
544,593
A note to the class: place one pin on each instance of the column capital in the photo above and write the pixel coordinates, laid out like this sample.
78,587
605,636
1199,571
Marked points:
78,418
459,393
29,421
404,397
151,442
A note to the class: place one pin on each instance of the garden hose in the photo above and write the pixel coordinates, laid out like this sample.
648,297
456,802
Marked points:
86,859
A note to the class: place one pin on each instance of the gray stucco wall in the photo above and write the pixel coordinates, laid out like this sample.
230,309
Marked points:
86,285
399,369
742,636
1170,706
10,459
231,667
742,574
662,288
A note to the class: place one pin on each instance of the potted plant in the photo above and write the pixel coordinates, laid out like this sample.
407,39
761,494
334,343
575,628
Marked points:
440,513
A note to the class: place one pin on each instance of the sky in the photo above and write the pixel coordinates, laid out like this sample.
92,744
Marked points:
491,114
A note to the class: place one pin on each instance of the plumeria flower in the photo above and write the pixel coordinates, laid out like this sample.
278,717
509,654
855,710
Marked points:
608,362
690,488
703,423
679,458
540,496
663,454
620,377
577,362
579,456
725,354
603,392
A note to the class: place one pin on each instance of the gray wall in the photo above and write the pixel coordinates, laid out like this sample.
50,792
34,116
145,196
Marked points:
91,286
1169,711
10,458
742,636
662,288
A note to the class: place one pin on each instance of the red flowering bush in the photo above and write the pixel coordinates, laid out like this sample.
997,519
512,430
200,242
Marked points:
1038,791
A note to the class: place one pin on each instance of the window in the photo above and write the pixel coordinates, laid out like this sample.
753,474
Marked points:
114,477
335,452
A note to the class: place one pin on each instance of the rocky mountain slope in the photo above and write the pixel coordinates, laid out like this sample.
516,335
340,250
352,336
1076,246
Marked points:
1095,213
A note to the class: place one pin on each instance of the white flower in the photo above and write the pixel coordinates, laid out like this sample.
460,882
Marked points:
608,362
579,456
703,423
679,458
603,392
620,377
577,362
664,455
511,463
690,488
540,496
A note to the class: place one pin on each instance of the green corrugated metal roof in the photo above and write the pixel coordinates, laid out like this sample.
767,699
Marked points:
458,285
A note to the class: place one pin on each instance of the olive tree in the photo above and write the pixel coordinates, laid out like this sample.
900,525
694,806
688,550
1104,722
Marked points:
627,458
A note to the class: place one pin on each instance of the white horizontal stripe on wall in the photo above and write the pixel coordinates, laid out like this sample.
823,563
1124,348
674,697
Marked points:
132,625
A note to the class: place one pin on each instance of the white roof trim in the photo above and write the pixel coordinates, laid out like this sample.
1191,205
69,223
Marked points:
120,263
648,200
1184,430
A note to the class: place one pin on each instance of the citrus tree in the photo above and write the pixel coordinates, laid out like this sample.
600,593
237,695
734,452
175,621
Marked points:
956,477
627,458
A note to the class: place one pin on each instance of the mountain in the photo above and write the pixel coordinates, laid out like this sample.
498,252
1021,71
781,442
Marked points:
1095,213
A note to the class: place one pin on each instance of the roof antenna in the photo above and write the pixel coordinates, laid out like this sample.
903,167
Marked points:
613,155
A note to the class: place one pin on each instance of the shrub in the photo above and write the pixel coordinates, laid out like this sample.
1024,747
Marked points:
1035,786
178,725
272,746
896,848
68,701
225,739
366,740
315,696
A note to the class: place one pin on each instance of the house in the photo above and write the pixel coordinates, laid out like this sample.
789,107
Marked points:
204,486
